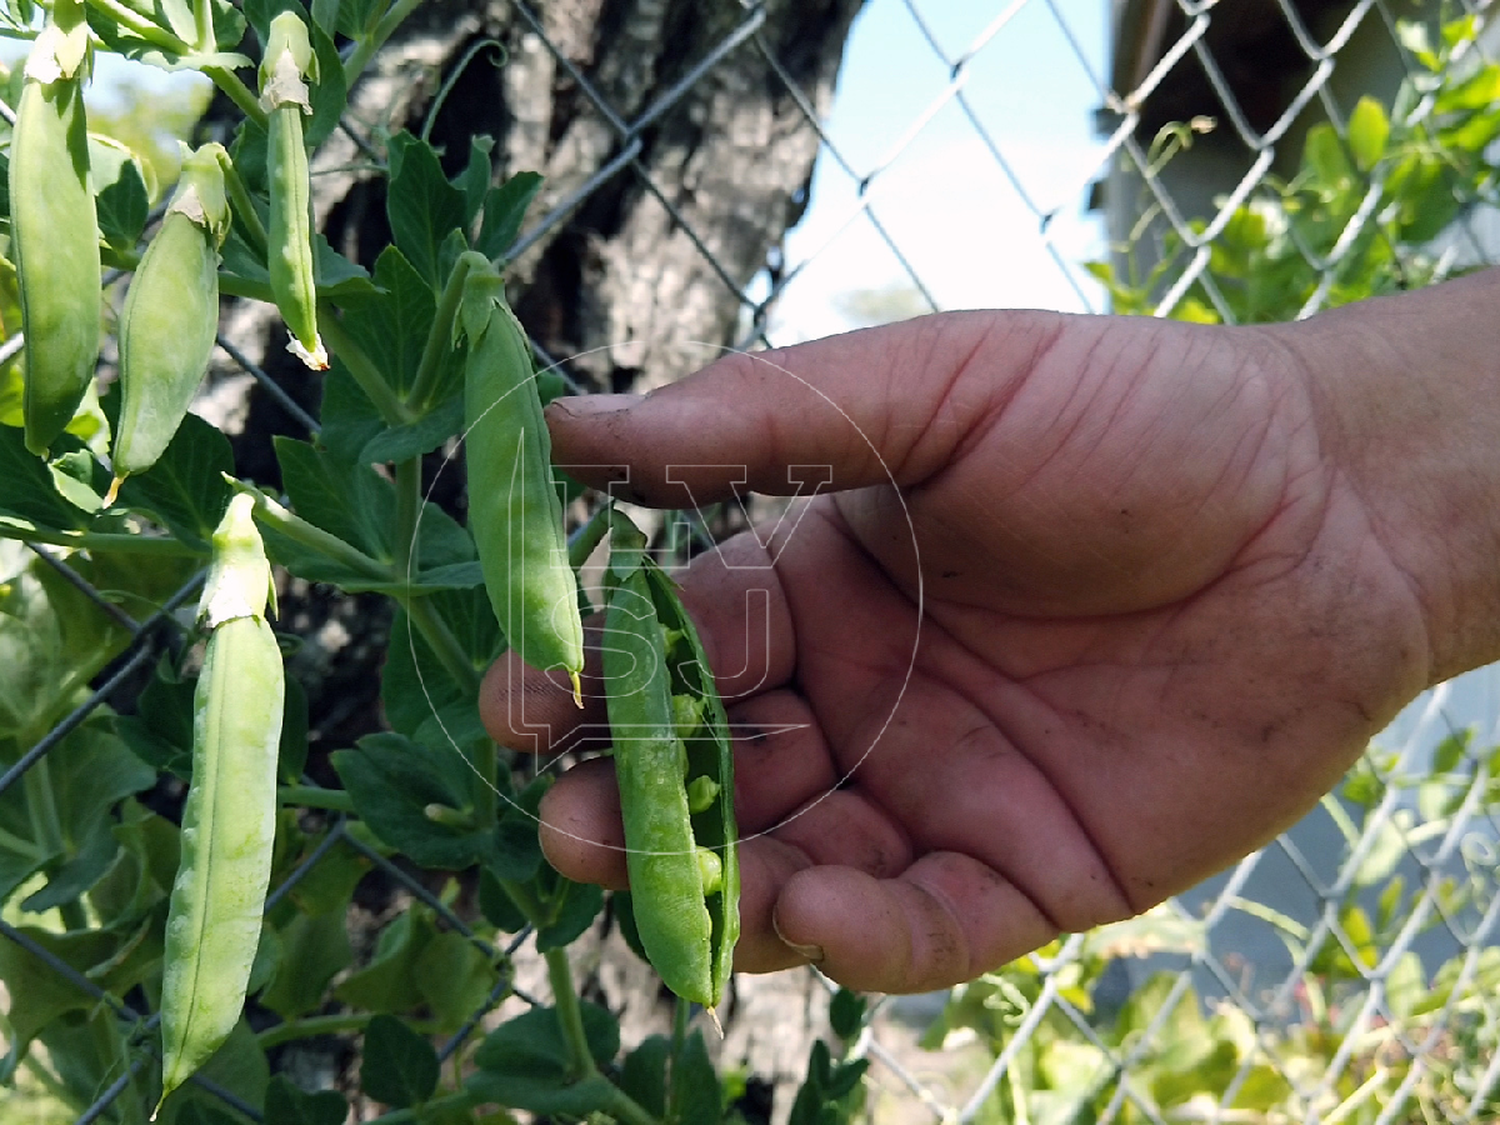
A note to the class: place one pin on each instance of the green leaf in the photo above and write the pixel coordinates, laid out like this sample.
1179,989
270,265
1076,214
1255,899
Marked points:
400,443
357,17
1451,751
287,1105
393,326
644,1075
350,501
474,180
350,420
143,872
27,491
330,94
421,205
414,684
398,1066
388,982
573,906
455,979
315,947
497,907
53,638
1414,37
524,1063
1368,131
395,782
38,993
846,1014
329,886
291,755
336,276
504,210
121,203
185,490
1323,156
239,1066
160,733
695,1085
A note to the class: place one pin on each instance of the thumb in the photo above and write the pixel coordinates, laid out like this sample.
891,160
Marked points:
869,407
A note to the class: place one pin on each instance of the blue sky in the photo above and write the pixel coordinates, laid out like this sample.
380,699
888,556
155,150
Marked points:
972,235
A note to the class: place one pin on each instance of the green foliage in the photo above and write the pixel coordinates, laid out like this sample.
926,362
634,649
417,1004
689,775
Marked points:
1360,215
87,869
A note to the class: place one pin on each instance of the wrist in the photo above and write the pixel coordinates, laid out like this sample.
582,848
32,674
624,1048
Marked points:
1406,398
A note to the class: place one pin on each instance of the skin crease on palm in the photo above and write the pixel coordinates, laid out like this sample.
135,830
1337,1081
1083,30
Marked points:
1167,587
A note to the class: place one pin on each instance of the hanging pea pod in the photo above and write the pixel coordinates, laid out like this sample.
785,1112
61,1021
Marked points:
54,227
171,316
229,821
288,65
515,514
674,768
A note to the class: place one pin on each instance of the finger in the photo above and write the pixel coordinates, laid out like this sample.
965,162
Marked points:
946,920
581,832
781,761
845,412
527,709
765,866
843,829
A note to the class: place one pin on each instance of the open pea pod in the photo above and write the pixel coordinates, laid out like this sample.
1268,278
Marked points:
674,766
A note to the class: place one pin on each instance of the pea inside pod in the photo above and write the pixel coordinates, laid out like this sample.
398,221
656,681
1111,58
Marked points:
674,768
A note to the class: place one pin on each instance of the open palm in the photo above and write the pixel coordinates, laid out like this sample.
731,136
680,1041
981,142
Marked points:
1083,611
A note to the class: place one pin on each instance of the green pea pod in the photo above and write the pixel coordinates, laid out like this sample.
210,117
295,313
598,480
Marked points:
55,228
515,514
171,316
676,789
229,821
285,70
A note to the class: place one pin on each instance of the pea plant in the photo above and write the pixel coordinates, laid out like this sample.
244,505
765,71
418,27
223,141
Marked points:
204,935
1373,208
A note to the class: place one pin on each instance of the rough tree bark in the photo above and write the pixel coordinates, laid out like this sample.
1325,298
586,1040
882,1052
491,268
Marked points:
700,109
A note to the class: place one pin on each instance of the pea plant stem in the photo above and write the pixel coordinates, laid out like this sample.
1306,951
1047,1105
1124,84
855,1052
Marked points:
309,1027
244,204
569,1014
440,337
315,797
434,630
370,42
104,542
139,25
236,91
430,1110
294,527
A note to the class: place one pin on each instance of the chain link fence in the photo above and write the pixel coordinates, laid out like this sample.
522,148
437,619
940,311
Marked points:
1351,970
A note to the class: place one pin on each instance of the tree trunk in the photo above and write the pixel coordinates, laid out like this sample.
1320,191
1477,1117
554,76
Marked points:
677,148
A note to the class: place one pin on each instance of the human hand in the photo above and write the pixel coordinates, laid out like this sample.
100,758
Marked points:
1155,626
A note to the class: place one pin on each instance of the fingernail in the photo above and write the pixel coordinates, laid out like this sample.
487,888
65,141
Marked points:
587,406
813,953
